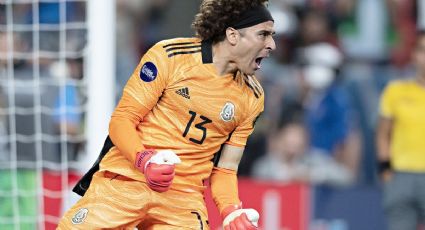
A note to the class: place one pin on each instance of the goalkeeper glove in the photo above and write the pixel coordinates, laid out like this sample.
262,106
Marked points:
236,218
158,168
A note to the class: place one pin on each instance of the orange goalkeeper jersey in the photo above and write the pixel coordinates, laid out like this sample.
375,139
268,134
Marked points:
177,101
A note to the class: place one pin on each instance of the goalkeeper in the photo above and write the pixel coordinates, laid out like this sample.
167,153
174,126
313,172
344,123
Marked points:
183,119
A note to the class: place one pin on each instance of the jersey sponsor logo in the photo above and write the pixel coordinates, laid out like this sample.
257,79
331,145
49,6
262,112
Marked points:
183,92
148,72
228,112
80,216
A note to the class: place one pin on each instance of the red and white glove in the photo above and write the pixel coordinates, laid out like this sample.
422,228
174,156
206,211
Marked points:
158,168
236,218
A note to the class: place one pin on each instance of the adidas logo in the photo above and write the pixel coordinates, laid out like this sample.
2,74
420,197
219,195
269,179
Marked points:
183,92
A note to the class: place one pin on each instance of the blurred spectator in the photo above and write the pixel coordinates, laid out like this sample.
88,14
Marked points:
66,123
315,27
289,159
68,111
18,183
401,147
31,122
285,154
329,117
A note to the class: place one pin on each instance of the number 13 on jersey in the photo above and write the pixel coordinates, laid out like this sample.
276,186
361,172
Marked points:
200,126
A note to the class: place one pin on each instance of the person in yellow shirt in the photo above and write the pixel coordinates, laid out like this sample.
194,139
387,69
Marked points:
184,118
401,146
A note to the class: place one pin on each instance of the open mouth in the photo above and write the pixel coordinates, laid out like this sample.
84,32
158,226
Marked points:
258,62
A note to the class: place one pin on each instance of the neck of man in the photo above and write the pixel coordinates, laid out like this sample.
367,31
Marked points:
223,58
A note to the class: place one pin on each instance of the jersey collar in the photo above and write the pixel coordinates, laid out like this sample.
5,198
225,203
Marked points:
206,50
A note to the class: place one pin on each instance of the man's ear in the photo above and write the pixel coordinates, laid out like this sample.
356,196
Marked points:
232,35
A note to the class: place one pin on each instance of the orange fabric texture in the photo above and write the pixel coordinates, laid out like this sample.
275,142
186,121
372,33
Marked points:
118,202
224,189
186,108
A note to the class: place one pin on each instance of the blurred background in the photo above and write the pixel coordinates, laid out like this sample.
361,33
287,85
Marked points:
311,162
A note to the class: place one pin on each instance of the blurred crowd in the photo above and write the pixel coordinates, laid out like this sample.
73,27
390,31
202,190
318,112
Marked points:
41,108
323,83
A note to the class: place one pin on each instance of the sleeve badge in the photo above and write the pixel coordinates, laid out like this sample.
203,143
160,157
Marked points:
148,72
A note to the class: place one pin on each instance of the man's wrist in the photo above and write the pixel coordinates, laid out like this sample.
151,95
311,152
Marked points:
142,157
237,216
229,209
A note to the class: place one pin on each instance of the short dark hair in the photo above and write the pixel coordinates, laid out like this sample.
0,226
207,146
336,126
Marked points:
215,16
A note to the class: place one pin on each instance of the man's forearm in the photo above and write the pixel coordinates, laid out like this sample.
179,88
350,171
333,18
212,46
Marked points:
224,188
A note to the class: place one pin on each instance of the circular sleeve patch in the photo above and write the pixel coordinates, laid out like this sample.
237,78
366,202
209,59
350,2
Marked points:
148,72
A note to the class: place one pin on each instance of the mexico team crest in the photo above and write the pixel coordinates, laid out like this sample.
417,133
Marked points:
80,216
228,112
